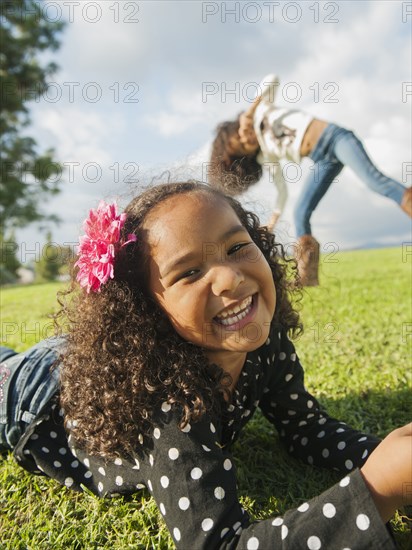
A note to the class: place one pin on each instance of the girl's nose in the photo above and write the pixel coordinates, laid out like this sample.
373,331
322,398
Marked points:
225,279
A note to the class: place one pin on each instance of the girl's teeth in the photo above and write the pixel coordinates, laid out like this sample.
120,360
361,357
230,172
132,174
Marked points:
234,315
235,319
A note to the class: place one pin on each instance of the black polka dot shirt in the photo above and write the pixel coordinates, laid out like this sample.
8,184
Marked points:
191,474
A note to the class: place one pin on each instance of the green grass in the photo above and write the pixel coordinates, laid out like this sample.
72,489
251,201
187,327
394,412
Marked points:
356,352
25,314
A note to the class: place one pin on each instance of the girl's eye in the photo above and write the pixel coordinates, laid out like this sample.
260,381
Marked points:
236,248
187,274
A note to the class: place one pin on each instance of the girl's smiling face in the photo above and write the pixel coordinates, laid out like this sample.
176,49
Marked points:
208,275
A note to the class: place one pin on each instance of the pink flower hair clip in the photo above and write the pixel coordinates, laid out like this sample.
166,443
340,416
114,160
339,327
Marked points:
100,244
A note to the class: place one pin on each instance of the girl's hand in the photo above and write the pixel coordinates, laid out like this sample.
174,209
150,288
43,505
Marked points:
247,133
388,472
273,221
251,111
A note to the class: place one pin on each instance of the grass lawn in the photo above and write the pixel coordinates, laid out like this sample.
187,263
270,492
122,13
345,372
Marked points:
356,351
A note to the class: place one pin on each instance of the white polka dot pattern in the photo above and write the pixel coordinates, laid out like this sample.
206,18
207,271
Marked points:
192,477
224,532
207,524
227,465
184,503
173,453
252,544
329,510
349,464
219,493
166,407
345,481
196,473
68,481
362,522
314,543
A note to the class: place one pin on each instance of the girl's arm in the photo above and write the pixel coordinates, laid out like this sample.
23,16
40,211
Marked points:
193,480
388,472
276,172
247,134
310,434
307,431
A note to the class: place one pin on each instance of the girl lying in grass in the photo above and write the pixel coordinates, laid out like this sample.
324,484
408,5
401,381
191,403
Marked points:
178,334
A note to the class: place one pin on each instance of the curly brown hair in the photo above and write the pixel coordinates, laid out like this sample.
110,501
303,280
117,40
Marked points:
124,358
230,173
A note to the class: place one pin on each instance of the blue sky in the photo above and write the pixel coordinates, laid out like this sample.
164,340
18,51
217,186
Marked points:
130,100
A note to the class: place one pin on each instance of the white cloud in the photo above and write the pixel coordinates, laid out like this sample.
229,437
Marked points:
182,112
170,53
101,45
77,134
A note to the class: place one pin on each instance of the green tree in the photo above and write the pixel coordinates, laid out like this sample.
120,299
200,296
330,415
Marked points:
27,177
54,260
9,261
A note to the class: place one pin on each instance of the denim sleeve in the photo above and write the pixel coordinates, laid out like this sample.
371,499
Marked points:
28,381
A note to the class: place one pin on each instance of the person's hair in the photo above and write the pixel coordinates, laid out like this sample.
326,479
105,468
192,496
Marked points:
232,174
124,358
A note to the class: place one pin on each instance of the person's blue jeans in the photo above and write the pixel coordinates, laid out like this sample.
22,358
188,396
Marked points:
336,148
27,383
